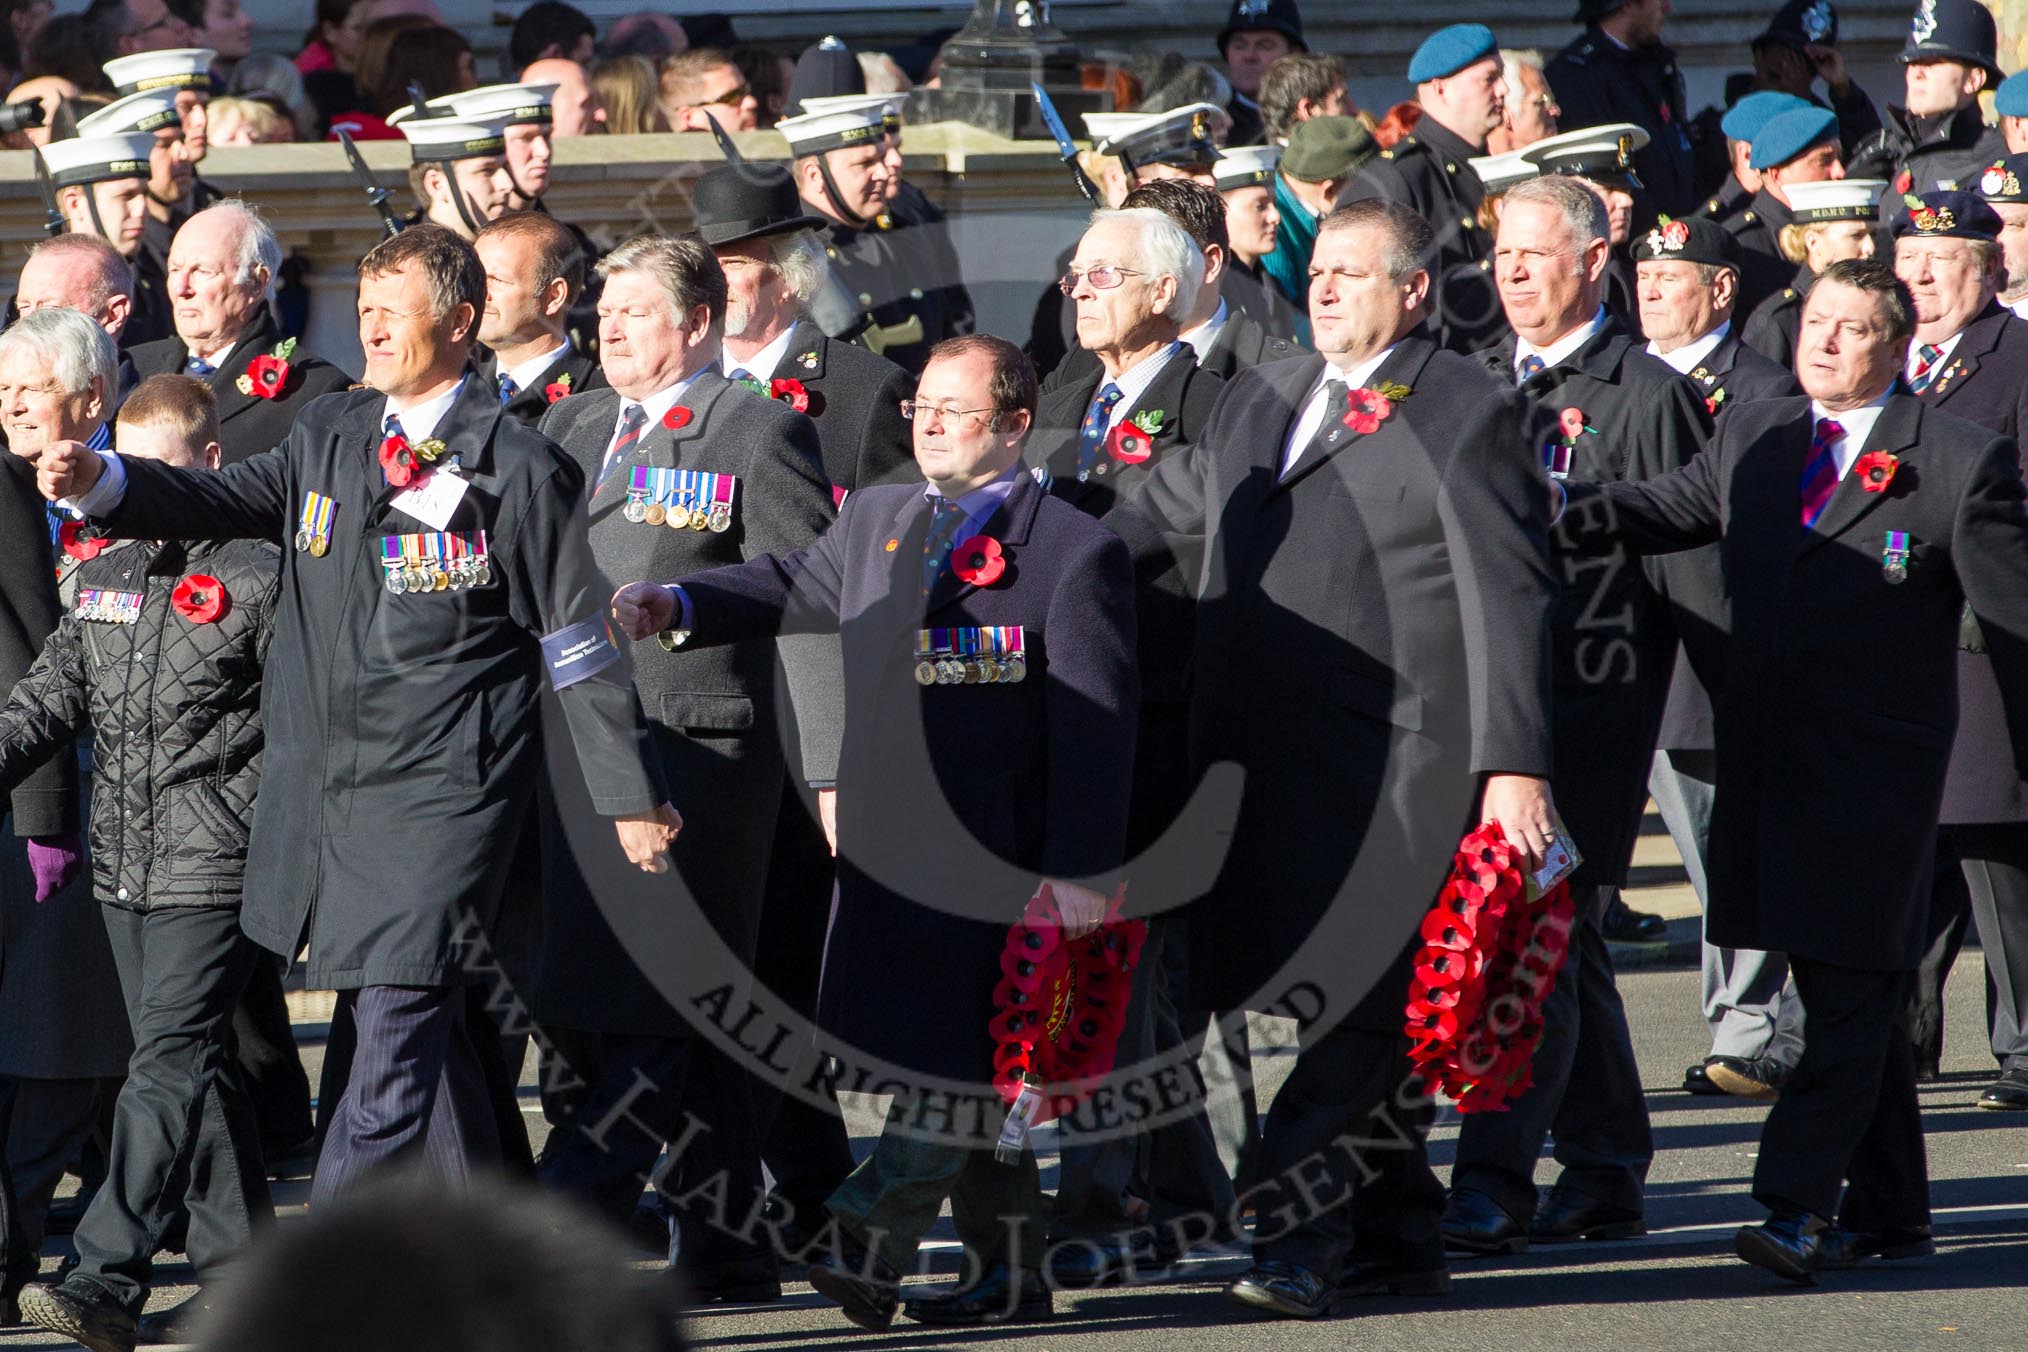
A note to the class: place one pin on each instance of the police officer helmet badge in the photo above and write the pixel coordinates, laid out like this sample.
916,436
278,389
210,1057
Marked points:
1925,22
1252,9
1818,21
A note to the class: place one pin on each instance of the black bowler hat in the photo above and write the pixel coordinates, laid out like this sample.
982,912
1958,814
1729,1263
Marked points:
1693,239
1273,16
745,201
1953,30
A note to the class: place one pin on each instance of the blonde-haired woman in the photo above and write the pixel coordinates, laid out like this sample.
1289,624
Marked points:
1829,221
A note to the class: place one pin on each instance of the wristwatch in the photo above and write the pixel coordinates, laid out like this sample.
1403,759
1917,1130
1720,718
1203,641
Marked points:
672,639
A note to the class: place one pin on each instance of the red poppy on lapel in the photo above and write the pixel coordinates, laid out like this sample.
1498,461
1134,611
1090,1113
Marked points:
790,392
978,562
266,374
398,462
678,416
1876,470
557,388
1129,445
1370,408
79,545
199,598
1571,423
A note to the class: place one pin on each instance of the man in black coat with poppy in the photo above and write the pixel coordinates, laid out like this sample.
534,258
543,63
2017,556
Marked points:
1599,406
535,275
1853,526
1372,651
223,267
984,756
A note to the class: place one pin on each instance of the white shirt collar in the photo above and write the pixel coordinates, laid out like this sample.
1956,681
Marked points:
419,421
1858,425
1563,347
1313,408
215,360
1948,346
1358,376
528,373
1204,335
2019,307
764,363
658,404
1135,380
1692,354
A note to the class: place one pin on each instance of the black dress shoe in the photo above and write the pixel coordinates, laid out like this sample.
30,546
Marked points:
862,1285
1080,1264
1380,1277
84,1312
1624,925
1849,1248
1284,1289
999,1297
751,1281
1789,1244
1568,1214
177,1324
1696,1081
1474,1223
1758,1078
2009,1093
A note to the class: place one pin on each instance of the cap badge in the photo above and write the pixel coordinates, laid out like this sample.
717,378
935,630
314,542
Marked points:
1997,181
1668,236
1817,20
1251,9
1200,127
1924,26
1626,147
1928,220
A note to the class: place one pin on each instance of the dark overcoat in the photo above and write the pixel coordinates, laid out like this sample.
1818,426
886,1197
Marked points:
1840,694
247,423
1372,637
402,730
717,723
855,400
952,799
1430,170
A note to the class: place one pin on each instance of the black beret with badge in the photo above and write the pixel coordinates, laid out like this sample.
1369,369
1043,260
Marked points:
2005,179
1946,214
1691,239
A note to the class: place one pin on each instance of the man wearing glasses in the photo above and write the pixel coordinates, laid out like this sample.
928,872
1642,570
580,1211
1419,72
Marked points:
703,85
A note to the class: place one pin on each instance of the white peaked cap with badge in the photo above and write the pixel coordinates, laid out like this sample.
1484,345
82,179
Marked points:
1501,172
844,120
1148,136
1246,167
509,105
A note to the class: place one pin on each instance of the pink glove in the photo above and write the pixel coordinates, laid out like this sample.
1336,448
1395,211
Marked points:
54,861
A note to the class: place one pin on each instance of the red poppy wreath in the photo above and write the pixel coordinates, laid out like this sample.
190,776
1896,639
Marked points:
1488,961
1061,1003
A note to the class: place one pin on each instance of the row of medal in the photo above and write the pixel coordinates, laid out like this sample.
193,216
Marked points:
681,499
978,656
435,561
313,525
109,607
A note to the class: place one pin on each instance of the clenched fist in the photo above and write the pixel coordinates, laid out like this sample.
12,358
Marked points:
643,609
67,469
647,836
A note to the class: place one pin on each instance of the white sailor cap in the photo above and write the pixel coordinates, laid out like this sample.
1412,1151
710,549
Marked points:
509,105
1835,199
440,140
149,111
1501,172
95,159
1246,167
1604,154
890,116
1182,136
850,120
175,68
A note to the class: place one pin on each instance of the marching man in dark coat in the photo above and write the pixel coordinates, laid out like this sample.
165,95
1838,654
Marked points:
440,572
687,470
534,276
1853,526
953,797
1372,630
223,266
1600,406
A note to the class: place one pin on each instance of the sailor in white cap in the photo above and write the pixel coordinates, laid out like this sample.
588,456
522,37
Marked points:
1245,177
184,71
101,177
1181,143
523,114
907,280
458,171
174,191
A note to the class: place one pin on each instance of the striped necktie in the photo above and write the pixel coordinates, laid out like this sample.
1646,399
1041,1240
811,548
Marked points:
1925,367
937,545
1091,437
1820,471
632,419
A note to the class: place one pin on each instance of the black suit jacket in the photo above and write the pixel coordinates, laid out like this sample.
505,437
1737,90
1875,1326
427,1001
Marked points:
247,423
1179,400
1245,293
1372,638
530,405
1840,694
45,803
1615,643
855,400
952,799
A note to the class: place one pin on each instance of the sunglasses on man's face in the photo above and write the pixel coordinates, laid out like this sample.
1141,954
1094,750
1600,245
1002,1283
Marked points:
731,98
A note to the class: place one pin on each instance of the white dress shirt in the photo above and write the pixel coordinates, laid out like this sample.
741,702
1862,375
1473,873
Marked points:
763,364
1943,358
1689,356
1562,348
1134,382
528,375
2019,307
419,421
1205,335
1315,403
1858,425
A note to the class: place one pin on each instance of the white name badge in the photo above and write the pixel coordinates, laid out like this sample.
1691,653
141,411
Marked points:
432,499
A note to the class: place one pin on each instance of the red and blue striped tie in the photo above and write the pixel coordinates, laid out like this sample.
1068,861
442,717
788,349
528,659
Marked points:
1820,471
